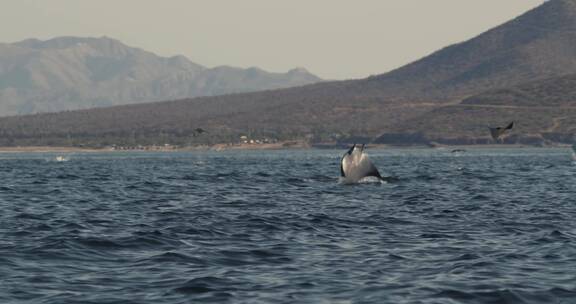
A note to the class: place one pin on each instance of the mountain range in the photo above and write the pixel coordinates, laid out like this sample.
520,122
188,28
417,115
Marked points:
68,73
522,70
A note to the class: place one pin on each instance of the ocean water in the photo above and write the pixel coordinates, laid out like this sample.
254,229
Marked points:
483,226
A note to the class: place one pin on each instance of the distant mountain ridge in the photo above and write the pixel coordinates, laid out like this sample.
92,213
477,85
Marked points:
519,71
68,73
538,44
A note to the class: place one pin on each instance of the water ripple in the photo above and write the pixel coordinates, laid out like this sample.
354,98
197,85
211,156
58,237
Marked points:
488,226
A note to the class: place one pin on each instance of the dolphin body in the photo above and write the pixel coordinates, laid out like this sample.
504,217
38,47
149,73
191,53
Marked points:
499,131
355,165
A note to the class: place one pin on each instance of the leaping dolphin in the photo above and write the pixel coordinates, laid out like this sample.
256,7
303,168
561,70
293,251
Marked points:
498,132
355,165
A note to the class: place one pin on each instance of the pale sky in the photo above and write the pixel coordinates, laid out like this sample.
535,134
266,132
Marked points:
335,39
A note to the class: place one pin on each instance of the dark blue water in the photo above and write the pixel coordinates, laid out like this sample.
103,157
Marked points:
487,226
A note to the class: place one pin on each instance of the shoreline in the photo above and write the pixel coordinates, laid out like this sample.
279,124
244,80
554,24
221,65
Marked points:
256,147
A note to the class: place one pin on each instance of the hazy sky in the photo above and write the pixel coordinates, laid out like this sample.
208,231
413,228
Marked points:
334,39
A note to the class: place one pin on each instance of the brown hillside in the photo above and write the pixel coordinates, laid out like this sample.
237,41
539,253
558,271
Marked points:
420,98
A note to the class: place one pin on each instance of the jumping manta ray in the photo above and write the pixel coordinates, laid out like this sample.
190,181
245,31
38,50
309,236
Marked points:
355,165
499,131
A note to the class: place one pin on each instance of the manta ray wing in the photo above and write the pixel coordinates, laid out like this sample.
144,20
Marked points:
344,165
495,133
346,161
366,167
348,165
